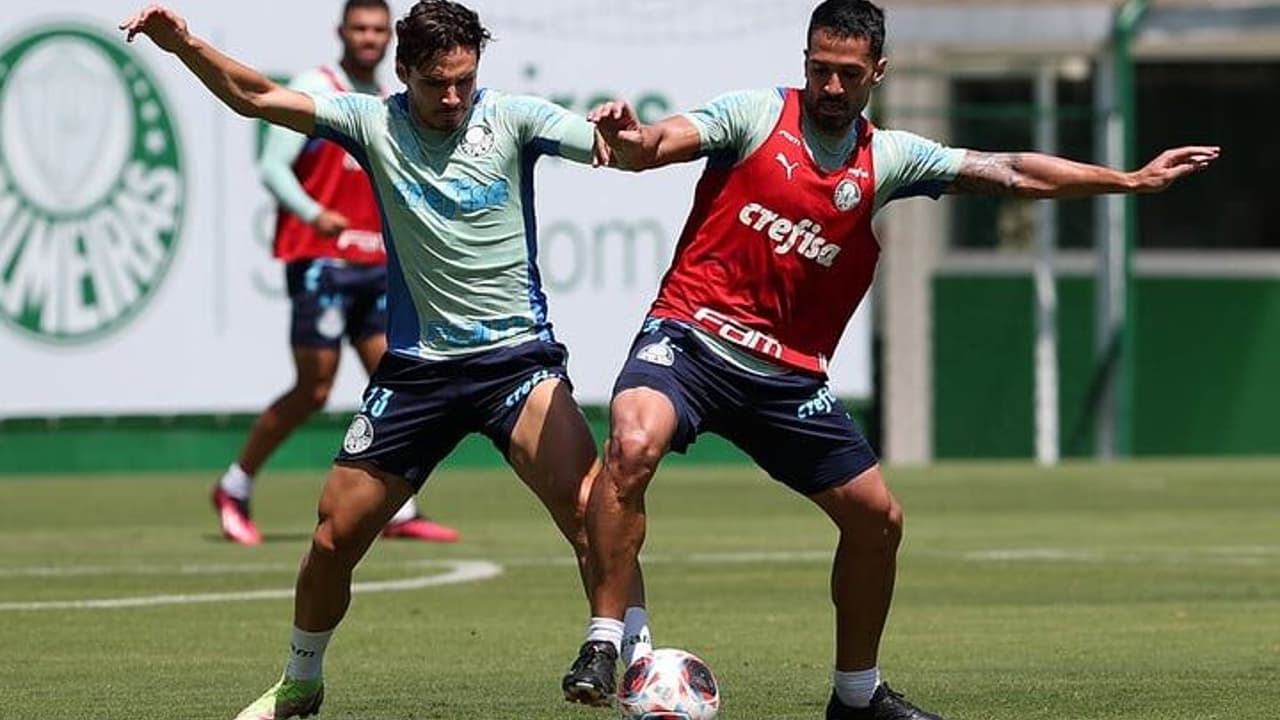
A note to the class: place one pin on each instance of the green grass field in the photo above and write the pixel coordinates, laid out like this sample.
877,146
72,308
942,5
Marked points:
1130,591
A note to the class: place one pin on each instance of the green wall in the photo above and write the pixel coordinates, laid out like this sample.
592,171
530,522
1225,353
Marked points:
210,443
142,444
1209,367
1207,359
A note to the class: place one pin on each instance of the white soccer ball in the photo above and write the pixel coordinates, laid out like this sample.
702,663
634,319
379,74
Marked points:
668,685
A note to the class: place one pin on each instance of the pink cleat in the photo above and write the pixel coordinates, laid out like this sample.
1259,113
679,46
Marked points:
420,528
234,516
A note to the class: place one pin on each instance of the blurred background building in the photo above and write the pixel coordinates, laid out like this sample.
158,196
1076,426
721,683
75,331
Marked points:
1189,370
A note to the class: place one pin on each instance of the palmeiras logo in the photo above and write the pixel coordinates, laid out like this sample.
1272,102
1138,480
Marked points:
359,435
847,195
659,353
477,141
91,185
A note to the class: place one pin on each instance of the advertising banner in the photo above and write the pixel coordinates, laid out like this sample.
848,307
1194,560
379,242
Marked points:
135,267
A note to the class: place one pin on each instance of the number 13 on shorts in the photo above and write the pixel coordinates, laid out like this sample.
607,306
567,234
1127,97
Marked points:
375,401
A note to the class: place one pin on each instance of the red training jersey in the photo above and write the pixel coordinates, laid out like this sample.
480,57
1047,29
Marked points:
336,181
777,252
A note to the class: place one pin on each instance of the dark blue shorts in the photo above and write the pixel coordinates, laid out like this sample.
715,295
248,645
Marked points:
415,412
790,424
332,300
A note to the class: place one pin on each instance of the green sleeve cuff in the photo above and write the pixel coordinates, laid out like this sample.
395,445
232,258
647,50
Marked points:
579,140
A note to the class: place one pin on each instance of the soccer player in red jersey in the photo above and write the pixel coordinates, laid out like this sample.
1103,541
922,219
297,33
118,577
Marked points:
776,255
329,236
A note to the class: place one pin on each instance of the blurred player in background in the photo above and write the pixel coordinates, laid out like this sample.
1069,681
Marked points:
776,255
329,236
470,345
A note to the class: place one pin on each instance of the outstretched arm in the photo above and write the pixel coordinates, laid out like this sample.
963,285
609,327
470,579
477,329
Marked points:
241,88
1033,175
639,147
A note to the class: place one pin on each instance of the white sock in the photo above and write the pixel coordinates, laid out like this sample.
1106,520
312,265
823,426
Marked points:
306,654
236,482
407,511
636,640
856,688
605,629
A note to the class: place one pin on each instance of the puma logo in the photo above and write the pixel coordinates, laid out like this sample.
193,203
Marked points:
789,167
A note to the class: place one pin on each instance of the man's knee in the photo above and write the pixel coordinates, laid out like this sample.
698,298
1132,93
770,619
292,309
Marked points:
316,394
568,508
633,455
576,534
865,509
348,520
893,523
879,525
335,538
310,395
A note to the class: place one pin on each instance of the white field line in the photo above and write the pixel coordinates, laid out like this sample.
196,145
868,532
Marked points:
475,570
67,571
1029,554
168,570
1033,554
459,571
1240,554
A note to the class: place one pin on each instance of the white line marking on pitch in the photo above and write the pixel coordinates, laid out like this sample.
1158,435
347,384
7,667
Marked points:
90,570
460,571
1239,555
72,571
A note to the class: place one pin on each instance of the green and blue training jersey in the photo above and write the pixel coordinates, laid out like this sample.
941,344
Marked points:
458,216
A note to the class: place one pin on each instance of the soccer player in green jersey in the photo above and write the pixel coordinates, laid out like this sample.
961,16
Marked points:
470,348
328,234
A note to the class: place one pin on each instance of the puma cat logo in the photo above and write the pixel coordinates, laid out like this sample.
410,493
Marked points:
789,167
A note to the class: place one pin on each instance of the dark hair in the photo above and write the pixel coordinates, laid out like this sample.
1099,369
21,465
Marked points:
434,26
850,19
361,4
